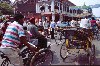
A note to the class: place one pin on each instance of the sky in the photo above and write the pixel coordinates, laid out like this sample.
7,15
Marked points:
87,2
96,11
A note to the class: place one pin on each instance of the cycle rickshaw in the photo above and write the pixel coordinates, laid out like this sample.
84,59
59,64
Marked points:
78,44
43,57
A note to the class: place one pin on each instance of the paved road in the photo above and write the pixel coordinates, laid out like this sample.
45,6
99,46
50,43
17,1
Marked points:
58,60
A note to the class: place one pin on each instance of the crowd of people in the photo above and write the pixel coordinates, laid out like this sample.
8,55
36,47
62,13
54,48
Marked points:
43,29
17,31
37,29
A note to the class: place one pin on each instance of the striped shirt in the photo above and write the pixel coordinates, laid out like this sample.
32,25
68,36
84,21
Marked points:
12,35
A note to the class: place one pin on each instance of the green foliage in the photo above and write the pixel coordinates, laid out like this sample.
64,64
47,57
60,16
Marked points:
6,8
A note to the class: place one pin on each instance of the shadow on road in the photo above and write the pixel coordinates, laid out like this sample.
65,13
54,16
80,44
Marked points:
97,59
55,58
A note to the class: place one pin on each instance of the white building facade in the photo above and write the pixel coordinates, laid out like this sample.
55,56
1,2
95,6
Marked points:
55,9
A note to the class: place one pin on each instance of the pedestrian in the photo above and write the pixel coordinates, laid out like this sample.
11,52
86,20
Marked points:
93,22
52,27
46,27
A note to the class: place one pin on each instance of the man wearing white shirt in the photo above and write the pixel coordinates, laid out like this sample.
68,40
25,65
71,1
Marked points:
85,23
46,26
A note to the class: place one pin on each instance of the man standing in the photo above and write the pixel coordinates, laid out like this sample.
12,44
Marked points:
46,26
52,27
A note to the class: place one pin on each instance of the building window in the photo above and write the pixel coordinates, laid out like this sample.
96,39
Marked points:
32,0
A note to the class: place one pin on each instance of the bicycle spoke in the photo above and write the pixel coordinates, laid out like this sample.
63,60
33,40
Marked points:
43,58
63,51
5,60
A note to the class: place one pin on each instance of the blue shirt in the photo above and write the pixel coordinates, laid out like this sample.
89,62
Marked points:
52,24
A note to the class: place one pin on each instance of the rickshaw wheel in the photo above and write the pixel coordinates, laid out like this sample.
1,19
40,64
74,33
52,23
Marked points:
91,56
91,60
63,51
93,49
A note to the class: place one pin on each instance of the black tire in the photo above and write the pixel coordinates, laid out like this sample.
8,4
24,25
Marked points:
5,59
89,60
93,49
91,56
42,57
98,36
63,51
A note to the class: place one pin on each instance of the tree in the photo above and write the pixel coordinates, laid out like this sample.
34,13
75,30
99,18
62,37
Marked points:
6,8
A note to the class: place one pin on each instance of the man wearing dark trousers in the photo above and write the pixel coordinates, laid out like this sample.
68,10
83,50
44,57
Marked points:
52,27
